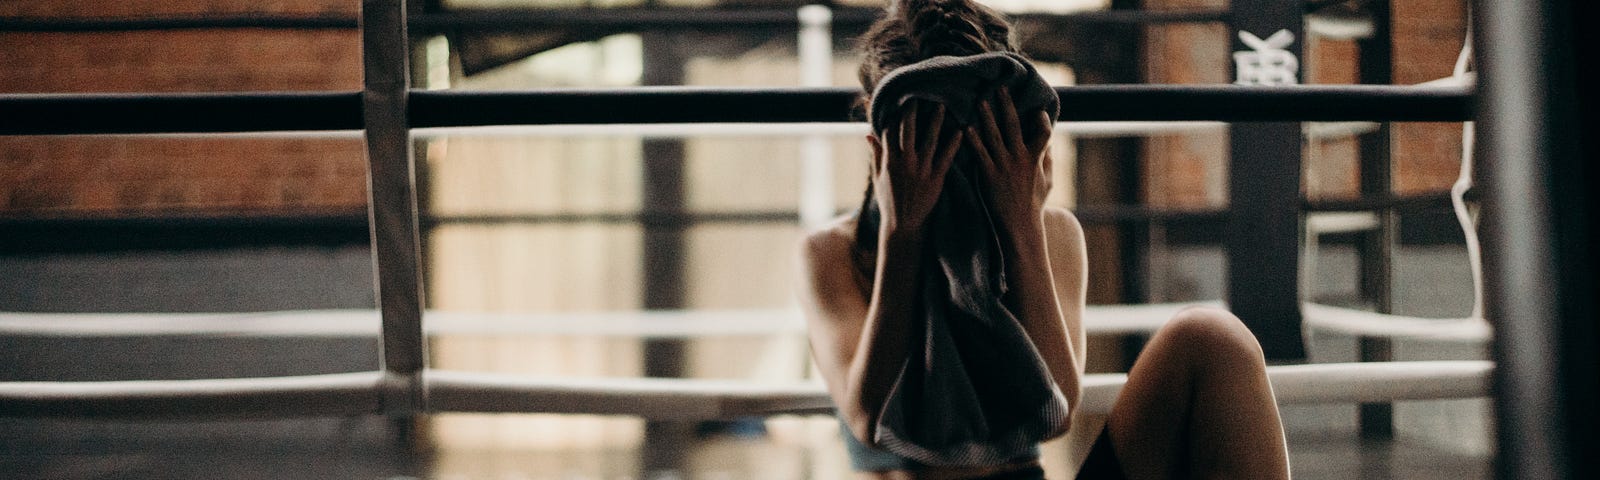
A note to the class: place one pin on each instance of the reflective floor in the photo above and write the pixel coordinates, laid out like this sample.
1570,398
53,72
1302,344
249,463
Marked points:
331,453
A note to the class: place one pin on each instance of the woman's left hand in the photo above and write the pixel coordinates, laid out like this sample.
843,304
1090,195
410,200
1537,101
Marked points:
1017,168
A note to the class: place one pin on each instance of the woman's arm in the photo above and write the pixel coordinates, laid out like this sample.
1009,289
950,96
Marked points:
1018,170
1033,292
1069,269
860,341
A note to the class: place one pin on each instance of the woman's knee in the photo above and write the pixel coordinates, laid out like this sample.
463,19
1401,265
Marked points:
1212,333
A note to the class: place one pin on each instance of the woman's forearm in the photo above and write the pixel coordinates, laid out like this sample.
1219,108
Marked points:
1032,292
881,352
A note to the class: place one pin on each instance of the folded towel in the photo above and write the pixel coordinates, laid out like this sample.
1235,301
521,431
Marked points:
960,83
975,390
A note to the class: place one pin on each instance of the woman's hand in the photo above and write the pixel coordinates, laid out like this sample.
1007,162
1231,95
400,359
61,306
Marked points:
1018,168
908,168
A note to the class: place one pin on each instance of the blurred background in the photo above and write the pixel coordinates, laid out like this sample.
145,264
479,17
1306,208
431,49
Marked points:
523,224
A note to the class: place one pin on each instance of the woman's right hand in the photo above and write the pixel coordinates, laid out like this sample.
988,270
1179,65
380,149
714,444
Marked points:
908,168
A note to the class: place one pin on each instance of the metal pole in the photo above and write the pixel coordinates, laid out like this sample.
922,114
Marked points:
178,22
664,191
393,203
1375,248
112,113
667,104
1537,250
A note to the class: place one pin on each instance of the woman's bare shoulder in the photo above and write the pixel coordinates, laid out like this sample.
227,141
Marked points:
831,284
830,244
1065,237
1061,222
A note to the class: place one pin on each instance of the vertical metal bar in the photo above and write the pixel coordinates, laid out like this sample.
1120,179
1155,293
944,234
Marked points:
1376,419
663,193
1377,166
1375,248
1538,264
393,202
1264,195
1129,161
664,255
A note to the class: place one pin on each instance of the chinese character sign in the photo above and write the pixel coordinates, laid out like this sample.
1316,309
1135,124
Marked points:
1267,63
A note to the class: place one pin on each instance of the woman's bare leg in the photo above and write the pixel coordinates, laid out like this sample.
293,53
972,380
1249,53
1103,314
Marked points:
1198,405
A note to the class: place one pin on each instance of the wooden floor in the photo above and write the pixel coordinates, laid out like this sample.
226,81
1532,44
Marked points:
1315,455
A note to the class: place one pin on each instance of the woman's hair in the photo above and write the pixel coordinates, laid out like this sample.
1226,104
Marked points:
912,31
916,30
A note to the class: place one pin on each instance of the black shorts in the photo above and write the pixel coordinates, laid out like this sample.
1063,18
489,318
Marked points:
1102,462
1100,465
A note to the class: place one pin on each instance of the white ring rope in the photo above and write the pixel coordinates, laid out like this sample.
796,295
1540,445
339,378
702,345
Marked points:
1099,319
678,399
1473,328
653,398
1458,191
1362,323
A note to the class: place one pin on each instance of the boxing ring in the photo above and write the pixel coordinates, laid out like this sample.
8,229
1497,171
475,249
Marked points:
1520,106
651,398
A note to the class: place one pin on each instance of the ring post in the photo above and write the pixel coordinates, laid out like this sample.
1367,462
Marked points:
1535,139
1263,233
393,204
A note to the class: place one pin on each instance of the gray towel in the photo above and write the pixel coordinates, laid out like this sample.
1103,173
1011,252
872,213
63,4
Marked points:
975,390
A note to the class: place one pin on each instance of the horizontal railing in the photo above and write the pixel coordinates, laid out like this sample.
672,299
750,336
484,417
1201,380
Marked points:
511,20
274,397
79,113
58,114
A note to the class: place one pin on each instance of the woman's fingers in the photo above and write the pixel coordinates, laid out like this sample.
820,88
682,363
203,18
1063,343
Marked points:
1010,123
908,132
930,137
991,130
1037,145
947,154
975,139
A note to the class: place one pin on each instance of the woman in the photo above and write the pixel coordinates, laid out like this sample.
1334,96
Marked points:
1197,403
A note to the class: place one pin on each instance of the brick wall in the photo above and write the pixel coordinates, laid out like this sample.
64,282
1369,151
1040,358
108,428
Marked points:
1427,38
1332,165
1190,170
110,176
1187,171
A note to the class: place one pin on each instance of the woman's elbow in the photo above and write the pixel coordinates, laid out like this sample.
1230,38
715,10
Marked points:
1073,394
863,428
859,418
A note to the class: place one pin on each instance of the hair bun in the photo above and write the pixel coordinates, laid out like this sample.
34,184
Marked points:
943,27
